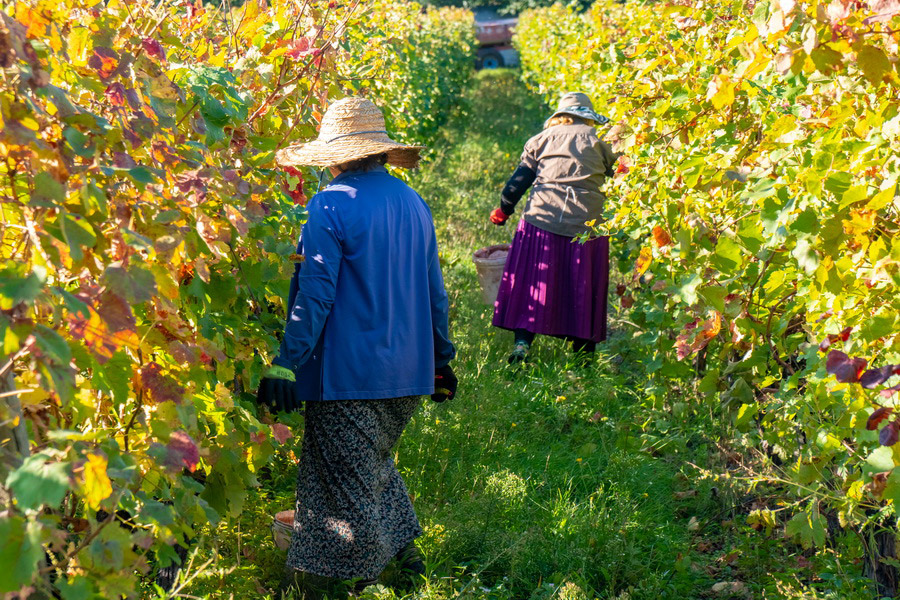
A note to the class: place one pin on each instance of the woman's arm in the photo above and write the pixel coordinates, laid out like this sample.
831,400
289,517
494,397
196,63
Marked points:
515,188
444,351
316,284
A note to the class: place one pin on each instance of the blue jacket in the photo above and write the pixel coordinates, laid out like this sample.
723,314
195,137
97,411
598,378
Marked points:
368,308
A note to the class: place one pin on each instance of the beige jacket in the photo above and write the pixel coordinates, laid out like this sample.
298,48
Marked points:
571,164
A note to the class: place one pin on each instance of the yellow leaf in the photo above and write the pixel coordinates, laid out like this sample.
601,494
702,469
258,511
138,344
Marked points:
882,198
721,92
643,261
97,486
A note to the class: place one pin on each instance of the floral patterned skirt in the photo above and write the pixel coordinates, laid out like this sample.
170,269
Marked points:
353,512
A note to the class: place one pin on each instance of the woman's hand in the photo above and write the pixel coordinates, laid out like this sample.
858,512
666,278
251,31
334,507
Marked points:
276,390
445,383
498,217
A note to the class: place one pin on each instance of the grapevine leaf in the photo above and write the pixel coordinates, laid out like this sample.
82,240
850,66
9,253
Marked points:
16,289
97,486
889,434
53,345
875,377
281,432
844,368
661,236
879,415
159,387
874,64
20,551
805,254
135,284
643,261
182,451
39,481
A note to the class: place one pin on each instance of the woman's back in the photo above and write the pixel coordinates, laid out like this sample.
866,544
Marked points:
373,236
570,164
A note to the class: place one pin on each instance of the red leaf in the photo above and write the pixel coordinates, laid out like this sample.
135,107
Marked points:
115,94
182,451
850,371
104,61
153,48
281,432
621,289
844,368
874,377
844,335
835,358
159,387
301,47
661,236
627,301
877,417
889,434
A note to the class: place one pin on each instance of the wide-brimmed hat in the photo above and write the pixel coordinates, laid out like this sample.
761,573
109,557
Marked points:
579,104
352,128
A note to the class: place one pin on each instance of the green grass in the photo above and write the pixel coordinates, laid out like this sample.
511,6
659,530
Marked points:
550,481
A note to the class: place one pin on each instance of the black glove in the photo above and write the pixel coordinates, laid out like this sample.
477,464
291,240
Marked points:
276,390
444,384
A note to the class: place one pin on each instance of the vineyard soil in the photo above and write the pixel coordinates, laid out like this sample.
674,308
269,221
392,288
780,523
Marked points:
553,481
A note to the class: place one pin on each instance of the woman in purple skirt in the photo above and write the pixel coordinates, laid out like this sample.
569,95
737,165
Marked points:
555,283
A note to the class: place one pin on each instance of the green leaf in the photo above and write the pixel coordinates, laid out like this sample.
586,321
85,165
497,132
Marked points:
879,326
746,413
874,64
892,488
709,384
16,289
77,232
114,376
39,481
838,183
739,392
881,459
52,344
47,190
714,296
75,588
807,526
807,222
79,142
93,198
805,254
20,551
135,284
728,255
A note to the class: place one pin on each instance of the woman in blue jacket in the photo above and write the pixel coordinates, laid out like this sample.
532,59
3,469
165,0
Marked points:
366,338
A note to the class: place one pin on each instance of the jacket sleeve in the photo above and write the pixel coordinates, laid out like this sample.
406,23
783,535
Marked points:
444,351
515,188
609,158
316,283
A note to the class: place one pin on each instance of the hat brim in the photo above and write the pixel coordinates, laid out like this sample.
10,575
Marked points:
318,153
583,112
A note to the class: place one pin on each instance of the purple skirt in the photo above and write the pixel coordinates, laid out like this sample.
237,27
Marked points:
554,285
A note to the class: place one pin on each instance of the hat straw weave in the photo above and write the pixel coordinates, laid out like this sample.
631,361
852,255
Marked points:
351,129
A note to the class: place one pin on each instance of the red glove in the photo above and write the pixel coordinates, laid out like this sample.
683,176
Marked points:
498,217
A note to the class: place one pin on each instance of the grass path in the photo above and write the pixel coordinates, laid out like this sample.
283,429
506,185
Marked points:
529,482
550,482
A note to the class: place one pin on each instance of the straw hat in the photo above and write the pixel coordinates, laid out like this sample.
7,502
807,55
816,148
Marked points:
579,105
352,128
